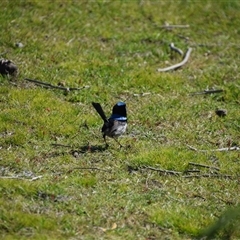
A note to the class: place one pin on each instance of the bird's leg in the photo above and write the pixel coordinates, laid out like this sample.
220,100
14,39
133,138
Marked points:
106,144
118,142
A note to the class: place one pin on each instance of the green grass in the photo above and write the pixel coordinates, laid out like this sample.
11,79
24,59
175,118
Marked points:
114,47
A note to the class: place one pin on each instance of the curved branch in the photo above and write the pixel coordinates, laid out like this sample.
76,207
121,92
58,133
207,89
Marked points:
178,50
178,65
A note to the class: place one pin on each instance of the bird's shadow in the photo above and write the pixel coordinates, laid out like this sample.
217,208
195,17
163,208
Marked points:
88,149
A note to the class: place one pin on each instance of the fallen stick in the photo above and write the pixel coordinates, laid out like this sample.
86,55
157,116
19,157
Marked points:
216,150
88,168
209,176
35,178
203,165
178,65
206,92
223,149
48,85
21,178
178,50
192,148
163,170
192,171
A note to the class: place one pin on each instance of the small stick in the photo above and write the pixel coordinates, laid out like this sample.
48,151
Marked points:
175,26
207,92
224,149
209,175
216,150
192,171
35,178
88,168
203,165
178,50
163,170
37,82
21,178
178,65
192,148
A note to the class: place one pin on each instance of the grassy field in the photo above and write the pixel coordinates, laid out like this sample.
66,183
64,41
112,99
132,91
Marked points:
57,179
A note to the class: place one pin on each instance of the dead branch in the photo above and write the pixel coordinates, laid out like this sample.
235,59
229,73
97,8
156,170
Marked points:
203,165
216,150
192,148
192,171
178,50
35,178
224,149
88,168
209,176
21,178
178,65
207,92
48,85
170,172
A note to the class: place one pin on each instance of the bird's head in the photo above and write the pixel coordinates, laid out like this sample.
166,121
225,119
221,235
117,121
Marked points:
119,111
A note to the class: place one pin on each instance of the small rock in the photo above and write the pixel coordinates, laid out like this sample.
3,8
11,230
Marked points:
7,67
75,154
19,45
221,112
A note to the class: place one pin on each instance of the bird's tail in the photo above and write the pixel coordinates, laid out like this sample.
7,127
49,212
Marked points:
100,111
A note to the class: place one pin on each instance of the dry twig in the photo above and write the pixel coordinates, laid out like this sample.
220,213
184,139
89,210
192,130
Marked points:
203,165
48,85
88,168
170,172
21,178
178,65
209,175
178,50
216,150
211,91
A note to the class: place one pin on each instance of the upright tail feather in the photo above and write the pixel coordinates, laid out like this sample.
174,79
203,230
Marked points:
100,111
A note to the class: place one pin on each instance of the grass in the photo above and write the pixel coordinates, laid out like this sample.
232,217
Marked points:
115,47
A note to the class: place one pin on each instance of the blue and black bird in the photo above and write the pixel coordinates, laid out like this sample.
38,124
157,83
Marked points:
116,124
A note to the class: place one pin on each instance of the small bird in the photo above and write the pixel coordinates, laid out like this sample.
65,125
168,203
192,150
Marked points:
116,124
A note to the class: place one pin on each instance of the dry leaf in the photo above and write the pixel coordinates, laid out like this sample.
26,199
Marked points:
114,226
